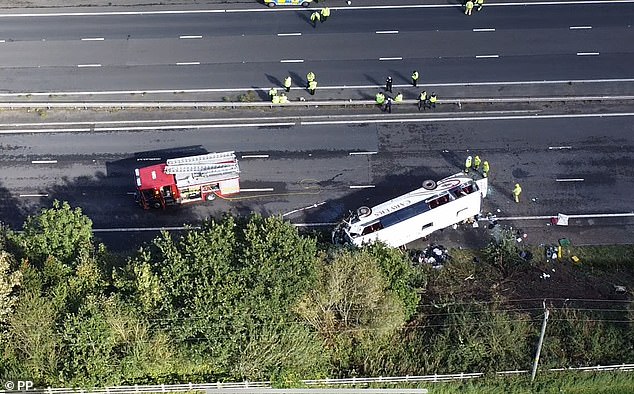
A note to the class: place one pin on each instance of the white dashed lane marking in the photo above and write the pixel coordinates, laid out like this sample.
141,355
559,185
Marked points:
43,161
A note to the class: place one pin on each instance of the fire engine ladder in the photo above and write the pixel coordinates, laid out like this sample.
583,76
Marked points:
209,158
203,170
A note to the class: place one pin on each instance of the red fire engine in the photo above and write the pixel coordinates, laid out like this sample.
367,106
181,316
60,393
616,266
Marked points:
187,179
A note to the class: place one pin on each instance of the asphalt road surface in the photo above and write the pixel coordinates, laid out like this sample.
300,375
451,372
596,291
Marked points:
314,165
225,50
573,165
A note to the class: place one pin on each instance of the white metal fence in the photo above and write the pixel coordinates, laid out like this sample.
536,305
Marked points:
244,386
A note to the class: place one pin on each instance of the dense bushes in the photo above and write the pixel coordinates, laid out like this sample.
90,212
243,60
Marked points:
253,299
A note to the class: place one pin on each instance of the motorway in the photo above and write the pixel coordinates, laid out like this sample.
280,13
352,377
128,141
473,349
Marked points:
314,164
56,52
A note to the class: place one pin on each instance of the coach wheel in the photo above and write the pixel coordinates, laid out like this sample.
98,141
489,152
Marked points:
429,184
211,196
364,211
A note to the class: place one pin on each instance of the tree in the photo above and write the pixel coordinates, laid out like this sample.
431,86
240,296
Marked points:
60,231
9,282
397,269
351,306
33,345
277,265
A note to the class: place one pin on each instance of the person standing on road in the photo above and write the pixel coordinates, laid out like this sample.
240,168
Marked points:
398,98
309,78
485,169
287,83
415,78
325,13
468,7
316,16
312,86
432,100
467,165
388,84
479,4
516,192
388,104
422,100
476,163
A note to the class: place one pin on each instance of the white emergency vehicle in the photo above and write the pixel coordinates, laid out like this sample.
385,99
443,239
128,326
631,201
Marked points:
414,215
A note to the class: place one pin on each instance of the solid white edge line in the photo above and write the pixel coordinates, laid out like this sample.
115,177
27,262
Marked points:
88,65
197,126
93,39
362,186
582,216
487,56
462,119
325,224
266,189
3,41
587,53
255,156
387,32
141,128
288,34
190,37
303,209
43,161
483,29
292,61
569,180
390,58
242,89
580,27
559,147
34,195
362,153
188,63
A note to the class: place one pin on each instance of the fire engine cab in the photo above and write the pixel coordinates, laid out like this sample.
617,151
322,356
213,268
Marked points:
187,179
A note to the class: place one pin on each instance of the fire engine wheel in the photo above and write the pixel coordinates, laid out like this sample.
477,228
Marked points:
156,205
429,184
211,196
364,211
